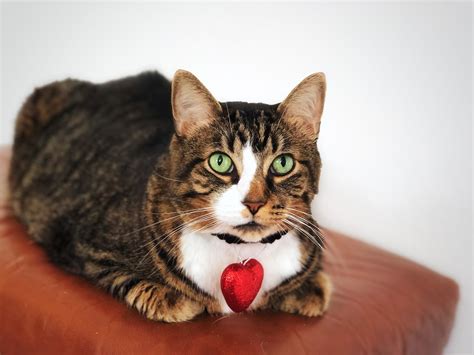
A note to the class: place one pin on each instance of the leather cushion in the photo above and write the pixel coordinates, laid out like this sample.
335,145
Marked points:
382,304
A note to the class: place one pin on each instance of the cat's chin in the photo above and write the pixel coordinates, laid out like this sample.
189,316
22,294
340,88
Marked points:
248,232
261,238
251,227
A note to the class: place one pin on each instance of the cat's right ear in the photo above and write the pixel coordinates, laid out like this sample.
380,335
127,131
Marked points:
193,105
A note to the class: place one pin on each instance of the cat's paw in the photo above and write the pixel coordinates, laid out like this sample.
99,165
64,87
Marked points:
213,308
160,303
310,300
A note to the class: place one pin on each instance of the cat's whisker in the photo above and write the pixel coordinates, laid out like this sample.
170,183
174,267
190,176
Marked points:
180,215
297,210
313,226
308,223
304,232
191,222
214,223
297,213
204,228
161,221
316,238
171,233
180,212
330,249
183,226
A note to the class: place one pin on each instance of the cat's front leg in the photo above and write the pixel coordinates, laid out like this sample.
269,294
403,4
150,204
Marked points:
161,303
311,299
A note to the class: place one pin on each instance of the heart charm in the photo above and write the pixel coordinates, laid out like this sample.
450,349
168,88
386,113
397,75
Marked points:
240,283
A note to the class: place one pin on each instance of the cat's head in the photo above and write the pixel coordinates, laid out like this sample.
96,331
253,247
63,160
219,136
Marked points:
246,170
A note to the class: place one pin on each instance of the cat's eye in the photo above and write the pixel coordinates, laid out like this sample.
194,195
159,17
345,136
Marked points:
221,163
282,165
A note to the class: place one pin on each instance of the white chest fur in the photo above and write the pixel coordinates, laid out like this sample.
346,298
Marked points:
205,256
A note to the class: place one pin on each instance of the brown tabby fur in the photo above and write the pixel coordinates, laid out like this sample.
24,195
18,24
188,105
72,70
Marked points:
102,181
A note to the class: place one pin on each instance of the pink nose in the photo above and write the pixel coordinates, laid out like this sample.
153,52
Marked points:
253,206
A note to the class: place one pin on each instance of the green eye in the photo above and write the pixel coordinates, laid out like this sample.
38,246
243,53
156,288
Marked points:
221,163
282,164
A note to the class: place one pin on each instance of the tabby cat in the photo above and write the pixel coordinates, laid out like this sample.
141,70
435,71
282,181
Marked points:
150,189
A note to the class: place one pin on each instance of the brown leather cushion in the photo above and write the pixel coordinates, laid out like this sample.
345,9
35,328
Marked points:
383,304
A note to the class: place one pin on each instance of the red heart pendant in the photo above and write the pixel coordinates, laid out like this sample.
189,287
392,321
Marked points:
240,283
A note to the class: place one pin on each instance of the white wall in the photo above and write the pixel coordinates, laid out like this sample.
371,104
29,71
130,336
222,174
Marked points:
396,136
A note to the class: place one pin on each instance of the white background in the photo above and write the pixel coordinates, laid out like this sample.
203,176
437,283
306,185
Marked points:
396,132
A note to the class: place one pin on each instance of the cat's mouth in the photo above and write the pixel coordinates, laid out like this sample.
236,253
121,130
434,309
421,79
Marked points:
233,239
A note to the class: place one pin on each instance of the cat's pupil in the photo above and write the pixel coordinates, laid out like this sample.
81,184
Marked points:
283,161
220,160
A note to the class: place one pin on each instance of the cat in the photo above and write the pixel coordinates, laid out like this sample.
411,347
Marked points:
150,188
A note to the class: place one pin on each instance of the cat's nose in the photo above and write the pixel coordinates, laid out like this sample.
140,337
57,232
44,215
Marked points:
253,206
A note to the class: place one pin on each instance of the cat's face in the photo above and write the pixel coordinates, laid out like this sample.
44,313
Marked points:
245,170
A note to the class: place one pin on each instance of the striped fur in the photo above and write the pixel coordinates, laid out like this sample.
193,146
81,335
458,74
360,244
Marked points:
101,179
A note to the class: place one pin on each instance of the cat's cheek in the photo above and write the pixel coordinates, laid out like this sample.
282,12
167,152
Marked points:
229,209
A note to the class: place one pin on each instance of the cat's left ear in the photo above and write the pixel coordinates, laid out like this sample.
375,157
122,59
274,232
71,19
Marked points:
193,105
304,105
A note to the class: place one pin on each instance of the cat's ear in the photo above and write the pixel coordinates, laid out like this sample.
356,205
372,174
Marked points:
304,105
193,105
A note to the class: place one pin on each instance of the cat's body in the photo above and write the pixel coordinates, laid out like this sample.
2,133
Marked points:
103,183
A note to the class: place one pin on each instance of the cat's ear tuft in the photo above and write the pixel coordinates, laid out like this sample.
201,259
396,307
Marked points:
193,105
304,105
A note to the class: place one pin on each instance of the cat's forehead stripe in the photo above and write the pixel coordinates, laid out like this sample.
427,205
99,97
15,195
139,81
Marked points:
257,127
